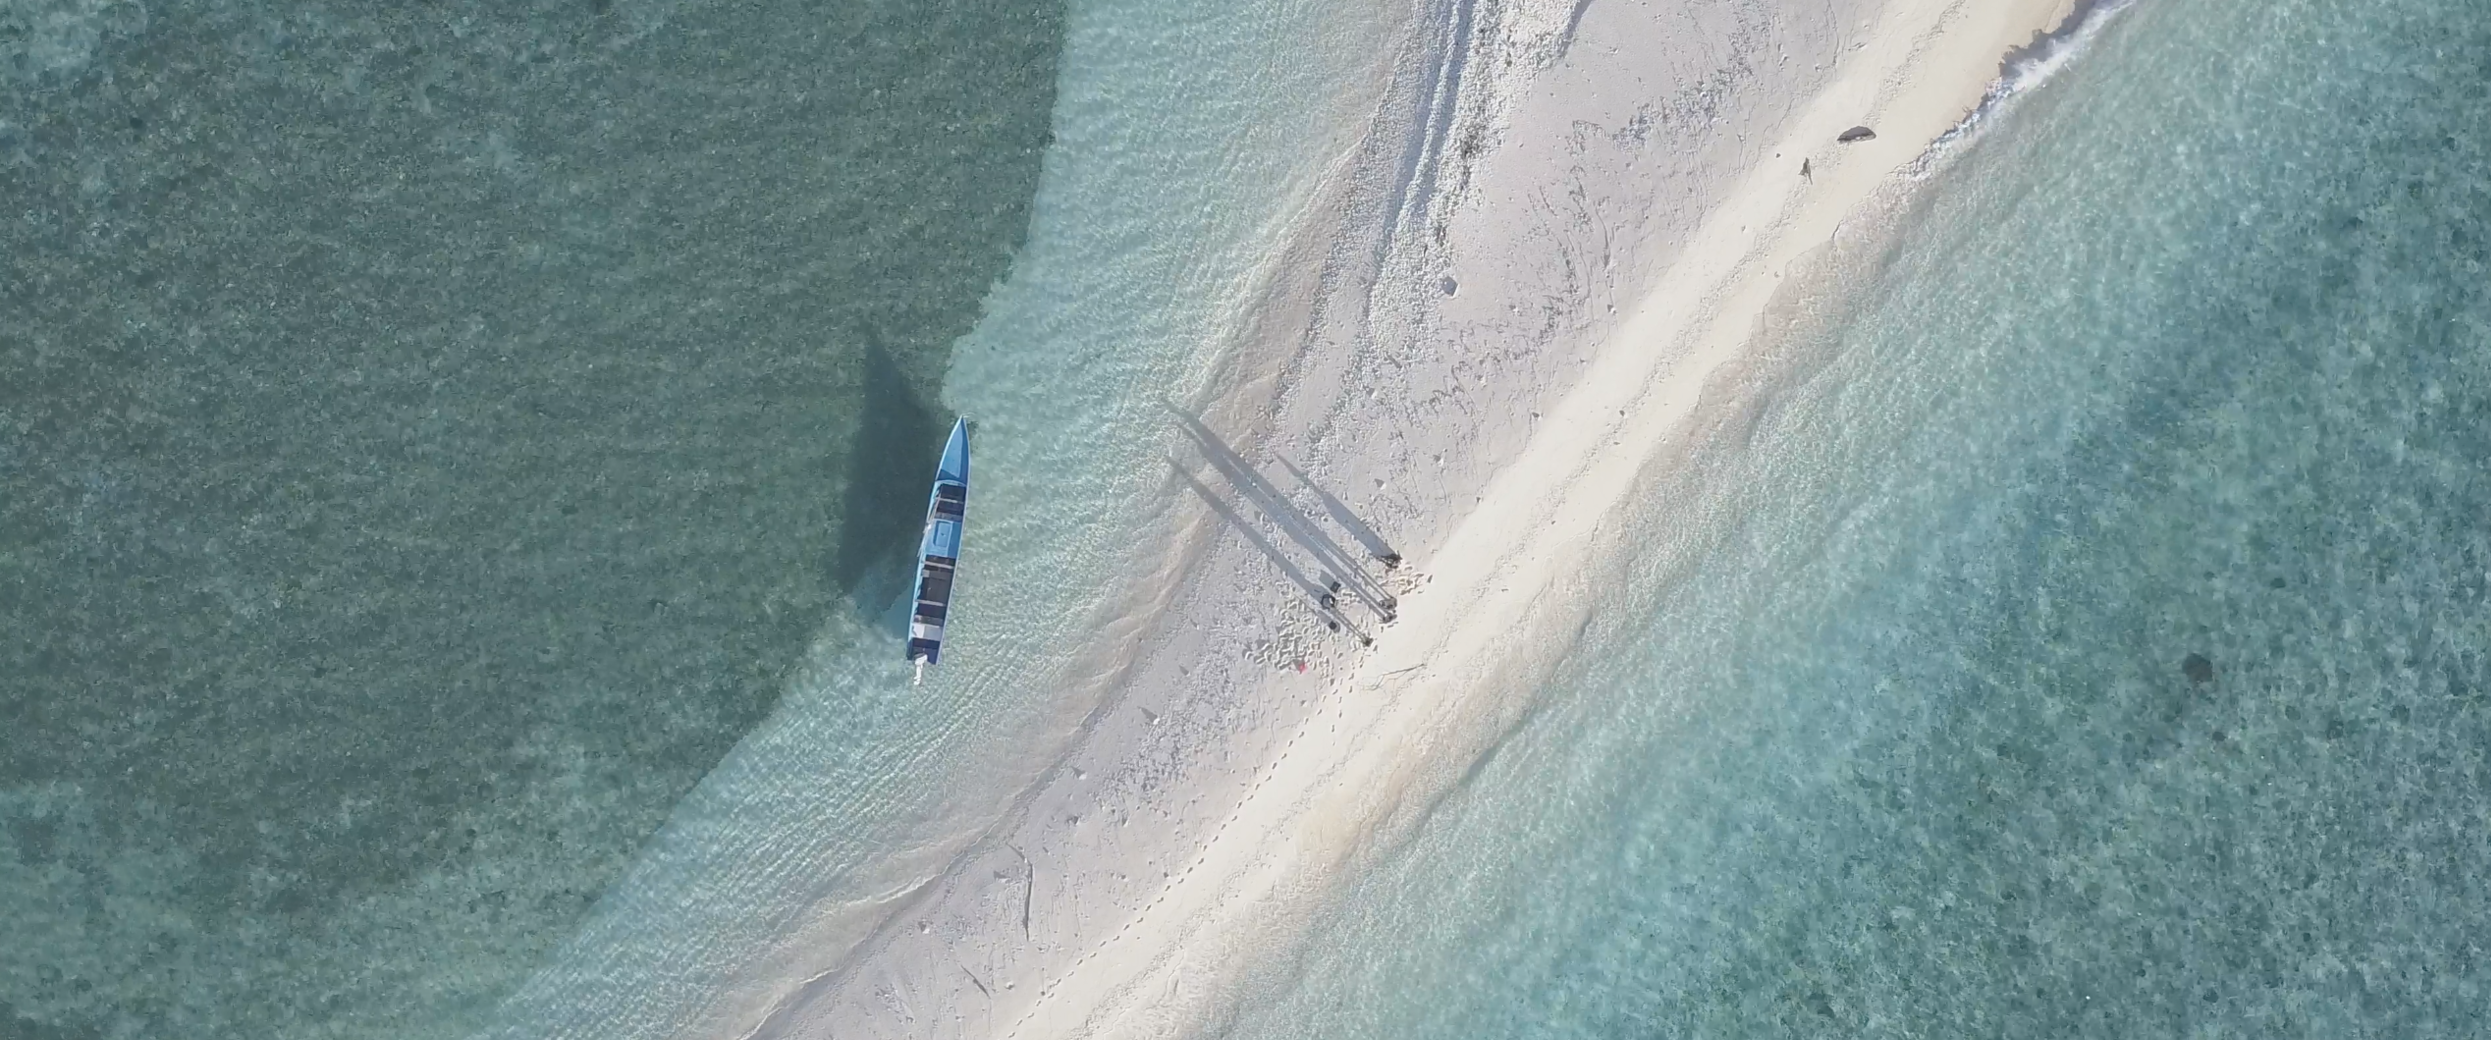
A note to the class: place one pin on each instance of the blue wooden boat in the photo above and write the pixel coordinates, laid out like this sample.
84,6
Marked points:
938,553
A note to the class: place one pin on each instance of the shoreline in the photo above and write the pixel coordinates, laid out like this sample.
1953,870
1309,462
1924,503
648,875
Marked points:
1261,756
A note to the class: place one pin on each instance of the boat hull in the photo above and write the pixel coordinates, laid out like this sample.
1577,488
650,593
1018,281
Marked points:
938,551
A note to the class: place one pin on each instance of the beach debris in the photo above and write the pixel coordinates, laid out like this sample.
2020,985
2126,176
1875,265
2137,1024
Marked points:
1029,886
1448,286
2199,670
1857,133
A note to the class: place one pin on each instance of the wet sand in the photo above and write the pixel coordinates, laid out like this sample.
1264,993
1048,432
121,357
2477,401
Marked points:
1544,267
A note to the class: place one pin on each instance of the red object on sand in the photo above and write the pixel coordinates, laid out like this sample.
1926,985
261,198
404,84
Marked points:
1301,666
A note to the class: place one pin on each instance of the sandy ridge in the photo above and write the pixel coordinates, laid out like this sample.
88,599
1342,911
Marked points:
1619,222
1406,715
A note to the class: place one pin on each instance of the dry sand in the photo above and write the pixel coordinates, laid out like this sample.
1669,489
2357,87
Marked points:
1518,315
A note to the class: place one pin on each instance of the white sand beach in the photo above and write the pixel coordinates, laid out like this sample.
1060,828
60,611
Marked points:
1502,320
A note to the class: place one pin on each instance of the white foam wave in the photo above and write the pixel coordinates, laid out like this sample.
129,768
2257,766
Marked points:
2023,70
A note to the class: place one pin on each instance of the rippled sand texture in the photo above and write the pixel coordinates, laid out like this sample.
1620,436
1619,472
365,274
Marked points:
1466,381
2086,636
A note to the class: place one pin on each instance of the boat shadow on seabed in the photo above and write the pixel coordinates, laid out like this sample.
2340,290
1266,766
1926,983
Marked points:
881,506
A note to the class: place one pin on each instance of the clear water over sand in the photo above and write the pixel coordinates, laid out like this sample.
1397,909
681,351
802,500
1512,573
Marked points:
453,529
2090,636
448,544
1187,145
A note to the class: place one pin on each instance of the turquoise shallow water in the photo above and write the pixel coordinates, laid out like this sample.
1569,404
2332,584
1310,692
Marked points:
2089,636
1188,141
455,466
430,438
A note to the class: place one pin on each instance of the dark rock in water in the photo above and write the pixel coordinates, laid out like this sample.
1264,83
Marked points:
2198,669
1857,133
